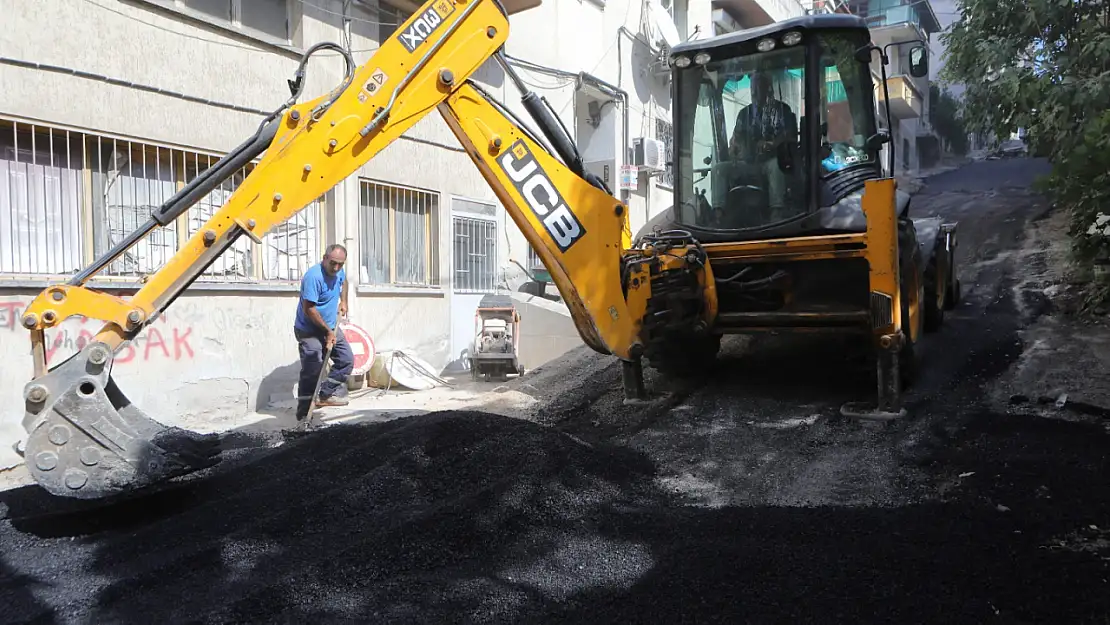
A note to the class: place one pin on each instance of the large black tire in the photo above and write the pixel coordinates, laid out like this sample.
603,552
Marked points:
933,309
907,357
955,291
685,358
908,361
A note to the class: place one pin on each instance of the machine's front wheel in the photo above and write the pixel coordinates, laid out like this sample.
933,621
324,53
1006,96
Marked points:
941,287
954,293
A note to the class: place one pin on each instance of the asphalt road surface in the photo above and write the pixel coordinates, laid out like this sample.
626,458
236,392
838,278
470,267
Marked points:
742,498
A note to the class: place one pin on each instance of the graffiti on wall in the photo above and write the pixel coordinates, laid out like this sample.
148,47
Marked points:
165,339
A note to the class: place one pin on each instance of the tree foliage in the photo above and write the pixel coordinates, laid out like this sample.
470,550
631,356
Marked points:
947,119
1043,65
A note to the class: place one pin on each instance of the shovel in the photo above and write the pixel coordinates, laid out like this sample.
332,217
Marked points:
324,371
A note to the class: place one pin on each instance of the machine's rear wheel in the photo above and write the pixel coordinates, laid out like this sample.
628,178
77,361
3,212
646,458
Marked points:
907,357
913,287
934,305
952,298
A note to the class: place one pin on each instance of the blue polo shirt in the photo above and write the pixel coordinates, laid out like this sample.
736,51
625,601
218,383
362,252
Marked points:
322,290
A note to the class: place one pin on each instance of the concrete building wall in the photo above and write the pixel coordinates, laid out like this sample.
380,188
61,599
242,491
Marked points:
547,330
225,347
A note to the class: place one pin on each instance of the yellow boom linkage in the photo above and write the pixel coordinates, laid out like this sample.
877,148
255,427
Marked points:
86,440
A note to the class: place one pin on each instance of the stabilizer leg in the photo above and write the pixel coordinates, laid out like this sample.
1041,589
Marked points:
889,378
632,374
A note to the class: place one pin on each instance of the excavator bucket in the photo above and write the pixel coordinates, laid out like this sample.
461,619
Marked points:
87,441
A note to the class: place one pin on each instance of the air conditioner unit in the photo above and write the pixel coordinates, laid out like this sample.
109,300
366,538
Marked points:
649,154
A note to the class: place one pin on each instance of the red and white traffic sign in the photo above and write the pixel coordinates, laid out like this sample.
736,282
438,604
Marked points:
362,347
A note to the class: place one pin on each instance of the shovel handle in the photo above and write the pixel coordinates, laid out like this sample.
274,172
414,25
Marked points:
324,371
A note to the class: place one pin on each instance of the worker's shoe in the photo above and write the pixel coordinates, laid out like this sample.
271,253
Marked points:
332,400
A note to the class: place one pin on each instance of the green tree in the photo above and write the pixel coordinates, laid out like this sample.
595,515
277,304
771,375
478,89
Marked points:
948,120
1043,65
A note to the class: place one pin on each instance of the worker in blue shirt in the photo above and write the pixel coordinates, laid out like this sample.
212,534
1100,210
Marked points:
323,301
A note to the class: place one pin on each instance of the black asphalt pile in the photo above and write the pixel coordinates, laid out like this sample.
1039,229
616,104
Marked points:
470,517
408,520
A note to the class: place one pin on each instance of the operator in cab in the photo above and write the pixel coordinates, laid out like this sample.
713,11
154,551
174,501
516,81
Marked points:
323,301
761,127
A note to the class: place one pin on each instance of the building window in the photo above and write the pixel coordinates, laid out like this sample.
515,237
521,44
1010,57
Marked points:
390,19
475,246
665,133
270,17
274,19
67,197
677,9
399,240
535,263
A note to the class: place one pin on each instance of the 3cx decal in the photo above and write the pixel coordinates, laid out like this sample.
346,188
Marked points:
425,24
532,182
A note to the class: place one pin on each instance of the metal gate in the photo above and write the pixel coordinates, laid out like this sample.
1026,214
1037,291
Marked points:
475,266
473,271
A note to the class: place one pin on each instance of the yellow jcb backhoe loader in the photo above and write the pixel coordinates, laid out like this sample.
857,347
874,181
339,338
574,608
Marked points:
86,440
779,188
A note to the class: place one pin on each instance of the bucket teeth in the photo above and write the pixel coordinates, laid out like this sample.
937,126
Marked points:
87,441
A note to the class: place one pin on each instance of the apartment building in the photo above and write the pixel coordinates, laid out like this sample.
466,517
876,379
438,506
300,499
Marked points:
895,21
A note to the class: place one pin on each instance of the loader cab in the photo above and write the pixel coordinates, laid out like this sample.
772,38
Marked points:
772,125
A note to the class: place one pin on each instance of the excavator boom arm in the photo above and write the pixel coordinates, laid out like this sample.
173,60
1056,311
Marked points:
574,227
86,439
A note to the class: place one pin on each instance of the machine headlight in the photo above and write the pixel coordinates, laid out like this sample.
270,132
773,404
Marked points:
701,58
791,38
682,61
766,45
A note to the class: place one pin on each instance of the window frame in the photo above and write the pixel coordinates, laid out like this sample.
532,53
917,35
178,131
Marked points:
294,12
493,218
385,10
87,230
432,240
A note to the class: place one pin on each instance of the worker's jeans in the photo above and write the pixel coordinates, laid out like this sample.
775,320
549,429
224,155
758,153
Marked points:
312,348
